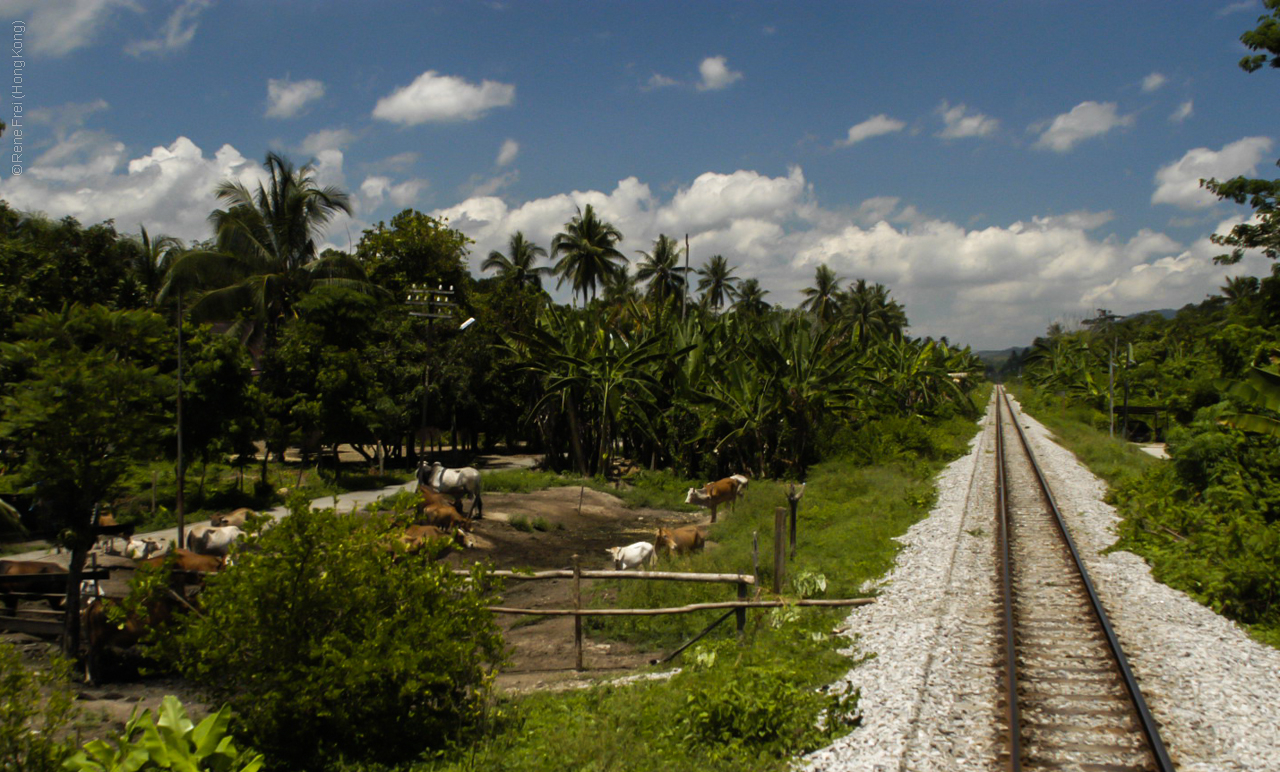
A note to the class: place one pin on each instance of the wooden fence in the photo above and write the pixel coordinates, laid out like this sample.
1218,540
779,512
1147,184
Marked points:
737,608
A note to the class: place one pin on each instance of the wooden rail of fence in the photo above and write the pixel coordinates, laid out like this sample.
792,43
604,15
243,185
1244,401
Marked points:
637,612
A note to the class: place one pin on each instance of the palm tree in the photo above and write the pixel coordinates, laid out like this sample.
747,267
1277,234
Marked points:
1238,288
265,249
154,260
821,298
751,298
517,264
717,283
662,270
588,253
871,308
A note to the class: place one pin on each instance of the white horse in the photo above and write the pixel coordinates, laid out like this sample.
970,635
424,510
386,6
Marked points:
453,482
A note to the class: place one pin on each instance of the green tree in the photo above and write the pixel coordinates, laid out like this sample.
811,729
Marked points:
751,298
717,283
266,257
153,260
328,645
1260,195
517,266
588,253
82,401
414,248
822,299
662,269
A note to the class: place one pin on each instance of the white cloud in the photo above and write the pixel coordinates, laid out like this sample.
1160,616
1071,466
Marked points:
176,32
71,115
1183,112
435,97
286,98
659,81
507,154
1086,120
327,139
170,190
716,74
959,122
1153,82
58,27
871,127
1178,183
990,287
1243,5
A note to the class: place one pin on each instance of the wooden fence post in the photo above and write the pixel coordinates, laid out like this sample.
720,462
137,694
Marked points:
577,606
755,556
779,547
793,501
741,611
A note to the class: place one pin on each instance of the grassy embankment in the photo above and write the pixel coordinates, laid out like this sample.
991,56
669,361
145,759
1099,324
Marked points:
749,705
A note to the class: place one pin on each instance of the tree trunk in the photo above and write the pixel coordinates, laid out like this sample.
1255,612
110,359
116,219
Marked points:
71,625
575,438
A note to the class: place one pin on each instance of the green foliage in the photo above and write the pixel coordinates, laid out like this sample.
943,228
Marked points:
736,706
172,742
36,705
82,400
329,645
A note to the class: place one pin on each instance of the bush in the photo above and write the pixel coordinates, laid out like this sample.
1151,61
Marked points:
34,708
329,645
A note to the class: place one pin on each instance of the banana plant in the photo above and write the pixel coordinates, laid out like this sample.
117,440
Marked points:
173,742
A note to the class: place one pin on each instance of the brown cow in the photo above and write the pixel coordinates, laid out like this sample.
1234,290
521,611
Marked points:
415,537
428,498
237,518
713,494
102,635
42,578
186,560
679,540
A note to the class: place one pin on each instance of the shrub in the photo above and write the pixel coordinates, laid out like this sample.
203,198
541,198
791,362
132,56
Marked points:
329,645
34,707
173,742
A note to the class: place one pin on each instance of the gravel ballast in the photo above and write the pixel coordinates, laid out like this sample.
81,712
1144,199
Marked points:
930,686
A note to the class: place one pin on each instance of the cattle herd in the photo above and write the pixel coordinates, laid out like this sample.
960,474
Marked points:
689,538
439,526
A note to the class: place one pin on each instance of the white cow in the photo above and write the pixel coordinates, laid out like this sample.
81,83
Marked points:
631,556
213,540
141,549
464,481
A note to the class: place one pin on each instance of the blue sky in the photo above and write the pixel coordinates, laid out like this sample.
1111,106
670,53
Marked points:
1000,166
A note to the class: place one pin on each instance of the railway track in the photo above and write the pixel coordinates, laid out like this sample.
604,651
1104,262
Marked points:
1071,701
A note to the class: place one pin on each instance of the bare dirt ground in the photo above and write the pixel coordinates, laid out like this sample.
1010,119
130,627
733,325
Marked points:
541,653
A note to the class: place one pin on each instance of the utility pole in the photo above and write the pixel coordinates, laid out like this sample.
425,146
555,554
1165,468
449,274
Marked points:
685,304
1106,317
435,304
180,502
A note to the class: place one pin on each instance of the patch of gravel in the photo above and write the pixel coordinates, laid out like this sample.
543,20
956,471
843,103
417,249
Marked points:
929,690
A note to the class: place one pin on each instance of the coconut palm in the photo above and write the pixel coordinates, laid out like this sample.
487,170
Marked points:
517,264
751,298
717,282
875,313
588,253
152,261
822,299
661,268
1238,288
265,255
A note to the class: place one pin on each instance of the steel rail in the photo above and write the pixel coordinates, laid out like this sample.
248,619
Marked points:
1147,721
1012,714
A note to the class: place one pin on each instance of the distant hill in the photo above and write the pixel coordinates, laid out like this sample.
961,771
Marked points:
994,359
